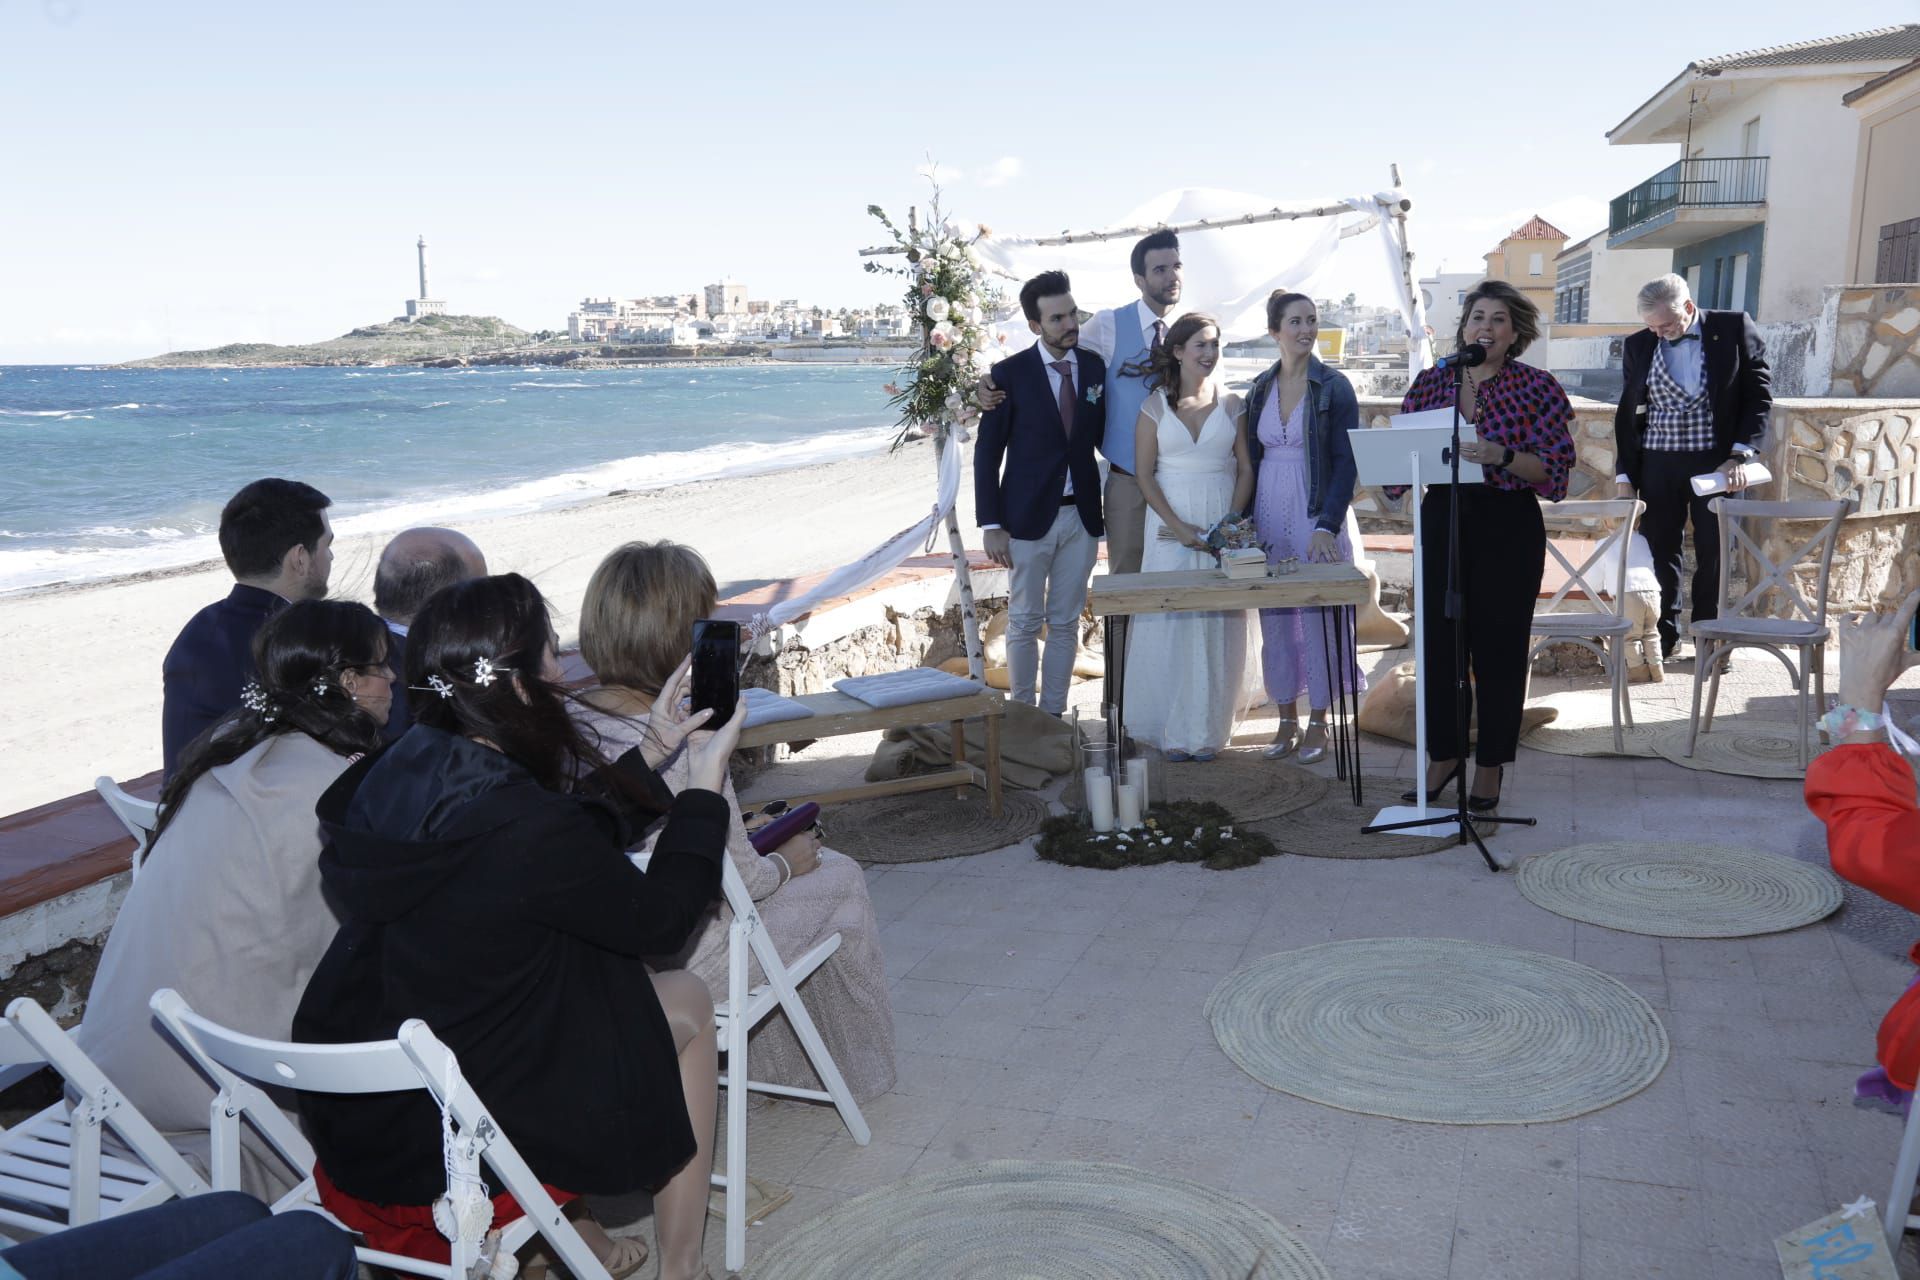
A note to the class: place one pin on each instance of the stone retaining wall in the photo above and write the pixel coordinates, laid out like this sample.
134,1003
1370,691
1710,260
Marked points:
1876,342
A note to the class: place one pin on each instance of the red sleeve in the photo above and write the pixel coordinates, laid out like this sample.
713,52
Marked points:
1865,795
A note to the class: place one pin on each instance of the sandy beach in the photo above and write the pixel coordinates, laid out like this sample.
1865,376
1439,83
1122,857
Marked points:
81,683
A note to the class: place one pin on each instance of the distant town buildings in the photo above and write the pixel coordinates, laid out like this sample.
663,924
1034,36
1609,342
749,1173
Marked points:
426,304
723,312
1526,260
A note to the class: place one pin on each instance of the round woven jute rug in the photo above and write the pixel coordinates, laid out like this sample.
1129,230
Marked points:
1438,1030
1330,826
928,825
1680,890
1584,726
1013,1219
1245,783
1744,746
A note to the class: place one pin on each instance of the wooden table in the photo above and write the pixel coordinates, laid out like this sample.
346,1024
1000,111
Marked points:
836,714
1336,589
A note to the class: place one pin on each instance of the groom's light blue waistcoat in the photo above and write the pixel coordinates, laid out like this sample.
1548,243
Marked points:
1124,394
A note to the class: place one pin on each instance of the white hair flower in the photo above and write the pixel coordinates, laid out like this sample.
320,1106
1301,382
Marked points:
440,685
483,671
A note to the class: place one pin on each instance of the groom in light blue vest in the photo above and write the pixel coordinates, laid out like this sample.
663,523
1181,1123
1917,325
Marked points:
1121,337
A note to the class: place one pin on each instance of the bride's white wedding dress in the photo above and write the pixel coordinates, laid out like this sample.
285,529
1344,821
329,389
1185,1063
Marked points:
1187,673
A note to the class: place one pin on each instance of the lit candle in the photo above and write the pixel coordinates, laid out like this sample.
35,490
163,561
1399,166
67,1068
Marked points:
1099,799
1127,806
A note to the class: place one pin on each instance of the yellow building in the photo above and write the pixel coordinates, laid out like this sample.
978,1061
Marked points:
1883,243
1525,260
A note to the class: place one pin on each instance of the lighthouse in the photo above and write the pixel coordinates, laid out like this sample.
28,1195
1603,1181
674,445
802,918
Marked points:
425,304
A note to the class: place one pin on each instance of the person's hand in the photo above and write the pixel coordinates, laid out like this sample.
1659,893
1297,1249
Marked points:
1623,488
1323,547
1873,651
999,547
1735,470
710,750
669,720
1484,452
801,851
1192,535
988,395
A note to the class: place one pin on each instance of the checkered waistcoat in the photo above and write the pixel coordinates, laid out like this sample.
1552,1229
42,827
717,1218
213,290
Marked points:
1676,421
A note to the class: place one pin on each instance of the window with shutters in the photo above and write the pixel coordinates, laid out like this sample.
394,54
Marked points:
1899,258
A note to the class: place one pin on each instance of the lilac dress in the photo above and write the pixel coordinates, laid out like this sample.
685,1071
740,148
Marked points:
1293,645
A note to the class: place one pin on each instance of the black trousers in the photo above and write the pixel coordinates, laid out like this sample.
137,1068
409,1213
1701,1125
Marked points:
1503,553
1671,502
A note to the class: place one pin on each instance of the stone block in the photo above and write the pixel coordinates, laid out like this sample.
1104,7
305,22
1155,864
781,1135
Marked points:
1904,321
1856,303
1804,435
1844,385
1866,429
1808,467
1875,361
1850,338
1901,381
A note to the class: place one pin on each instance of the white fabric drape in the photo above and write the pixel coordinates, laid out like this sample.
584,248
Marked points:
880,561
1412,305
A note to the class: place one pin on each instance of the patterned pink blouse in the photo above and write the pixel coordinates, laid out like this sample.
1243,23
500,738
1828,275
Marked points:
1521,407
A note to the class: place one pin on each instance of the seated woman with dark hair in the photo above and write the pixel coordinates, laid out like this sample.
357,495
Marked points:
483,891
227,909
635,626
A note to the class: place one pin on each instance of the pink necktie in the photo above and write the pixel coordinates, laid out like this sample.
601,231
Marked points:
1159,332
1065,370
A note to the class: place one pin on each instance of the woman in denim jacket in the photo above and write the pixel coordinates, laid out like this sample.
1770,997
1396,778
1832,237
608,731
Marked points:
1298,415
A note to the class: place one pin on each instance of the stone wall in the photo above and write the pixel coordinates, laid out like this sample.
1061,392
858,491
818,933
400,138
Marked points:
1876,350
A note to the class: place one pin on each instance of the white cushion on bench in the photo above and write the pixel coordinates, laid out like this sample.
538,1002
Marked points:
903,688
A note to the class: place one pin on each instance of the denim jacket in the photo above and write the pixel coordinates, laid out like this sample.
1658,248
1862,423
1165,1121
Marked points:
1332,411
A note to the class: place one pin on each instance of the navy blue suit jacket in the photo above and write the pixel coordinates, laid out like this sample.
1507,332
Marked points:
210,660
399,716
1024,432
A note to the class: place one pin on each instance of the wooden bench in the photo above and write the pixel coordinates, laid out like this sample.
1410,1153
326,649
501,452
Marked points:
836,715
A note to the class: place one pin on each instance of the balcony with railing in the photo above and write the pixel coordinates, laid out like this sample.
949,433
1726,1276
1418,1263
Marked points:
1689,201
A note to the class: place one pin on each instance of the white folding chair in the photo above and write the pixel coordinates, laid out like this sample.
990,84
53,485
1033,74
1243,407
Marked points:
138,816
1894,1218
1603,628
53,1174
1750,622
415,1059
747,941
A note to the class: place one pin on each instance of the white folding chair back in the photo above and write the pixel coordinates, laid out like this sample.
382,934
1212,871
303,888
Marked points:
53,1174
415,1059
1773,614
745,1007
138,816
1603,628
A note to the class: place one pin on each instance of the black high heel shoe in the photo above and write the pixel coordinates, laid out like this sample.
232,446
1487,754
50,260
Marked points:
1453,774
1487,804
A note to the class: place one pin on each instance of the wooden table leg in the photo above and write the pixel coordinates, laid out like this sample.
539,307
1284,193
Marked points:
958,730
993,765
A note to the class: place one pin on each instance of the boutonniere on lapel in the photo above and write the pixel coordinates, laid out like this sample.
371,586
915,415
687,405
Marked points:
1093,393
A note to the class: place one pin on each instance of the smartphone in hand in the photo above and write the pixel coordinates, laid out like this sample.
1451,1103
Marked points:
716,669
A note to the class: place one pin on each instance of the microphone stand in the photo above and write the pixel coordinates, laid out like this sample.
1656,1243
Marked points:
1455,611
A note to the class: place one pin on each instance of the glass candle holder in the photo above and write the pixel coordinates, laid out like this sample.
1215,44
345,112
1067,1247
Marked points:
1096,784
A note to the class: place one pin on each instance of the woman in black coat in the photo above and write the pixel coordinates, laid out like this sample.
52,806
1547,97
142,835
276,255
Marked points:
484,893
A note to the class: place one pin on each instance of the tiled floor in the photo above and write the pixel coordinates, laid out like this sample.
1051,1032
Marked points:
1056,1013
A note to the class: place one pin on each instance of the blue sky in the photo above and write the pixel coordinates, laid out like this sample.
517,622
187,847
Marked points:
192,173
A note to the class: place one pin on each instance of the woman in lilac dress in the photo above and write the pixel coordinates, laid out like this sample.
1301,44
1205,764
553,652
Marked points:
1298,415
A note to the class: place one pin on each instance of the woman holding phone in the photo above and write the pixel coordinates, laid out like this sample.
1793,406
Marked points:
641,606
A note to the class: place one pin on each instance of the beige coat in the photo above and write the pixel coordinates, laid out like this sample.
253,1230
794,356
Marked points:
227,911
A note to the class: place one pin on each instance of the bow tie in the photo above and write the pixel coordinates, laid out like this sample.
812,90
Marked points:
1685,337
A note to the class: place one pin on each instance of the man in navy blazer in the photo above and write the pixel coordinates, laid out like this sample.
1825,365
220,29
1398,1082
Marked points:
278,543
1036,488
1697,398
416,564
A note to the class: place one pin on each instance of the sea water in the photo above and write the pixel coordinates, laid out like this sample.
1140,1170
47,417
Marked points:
115,471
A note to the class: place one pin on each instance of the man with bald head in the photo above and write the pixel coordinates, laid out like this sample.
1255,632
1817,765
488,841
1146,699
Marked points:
417,563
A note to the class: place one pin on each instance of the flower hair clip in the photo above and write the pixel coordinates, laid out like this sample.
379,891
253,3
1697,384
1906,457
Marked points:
321,686
441,685
254,698
484,672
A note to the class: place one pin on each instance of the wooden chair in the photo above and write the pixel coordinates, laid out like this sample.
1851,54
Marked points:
138,816
745,1008
53,1174
1745,623
415,1059
1604,628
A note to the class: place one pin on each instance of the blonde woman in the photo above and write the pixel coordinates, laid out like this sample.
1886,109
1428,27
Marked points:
635,629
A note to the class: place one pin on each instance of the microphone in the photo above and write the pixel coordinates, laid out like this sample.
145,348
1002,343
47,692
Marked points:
1467,357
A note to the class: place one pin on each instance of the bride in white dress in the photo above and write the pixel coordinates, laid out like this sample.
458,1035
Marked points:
1187,672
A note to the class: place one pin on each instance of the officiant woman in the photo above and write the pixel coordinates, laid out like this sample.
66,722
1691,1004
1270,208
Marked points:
1524,443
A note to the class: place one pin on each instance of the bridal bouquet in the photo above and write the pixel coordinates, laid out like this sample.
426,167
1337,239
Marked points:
951,297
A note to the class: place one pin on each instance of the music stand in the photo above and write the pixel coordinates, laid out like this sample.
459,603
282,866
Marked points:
1421,448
